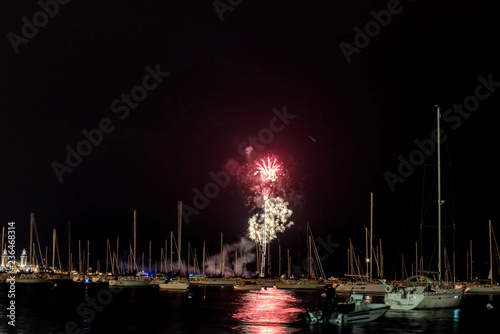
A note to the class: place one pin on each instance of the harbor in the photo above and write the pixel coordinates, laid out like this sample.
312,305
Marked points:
249,167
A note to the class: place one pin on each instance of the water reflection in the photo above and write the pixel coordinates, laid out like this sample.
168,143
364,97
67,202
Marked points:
267,311
85,323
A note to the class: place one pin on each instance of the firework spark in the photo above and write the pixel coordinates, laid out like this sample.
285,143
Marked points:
276,220
268,169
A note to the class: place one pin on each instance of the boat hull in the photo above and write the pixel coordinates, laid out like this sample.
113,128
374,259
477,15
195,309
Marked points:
174,285
129,283
360,312
417,300
484,290
300,285
375,289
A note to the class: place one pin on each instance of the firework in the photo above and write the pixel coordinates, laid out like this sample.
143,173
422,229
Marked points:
262,179
269,169
275,218
265,184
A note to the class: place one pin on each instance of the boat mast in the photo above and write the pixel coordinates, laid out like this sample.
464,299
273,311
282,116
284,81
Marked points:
439,192
69,247
491,259
53,248
371,235
135,235
179,224
203,259
32,249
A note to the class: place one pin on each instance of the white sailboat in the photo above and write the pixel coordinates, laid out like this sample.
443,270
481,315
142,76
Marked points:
138,280
490,288
313,282
420,292
364,284
246,285
175,285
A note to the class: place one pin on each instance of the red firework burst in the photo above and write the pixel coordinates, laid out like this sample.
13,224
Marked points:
268,169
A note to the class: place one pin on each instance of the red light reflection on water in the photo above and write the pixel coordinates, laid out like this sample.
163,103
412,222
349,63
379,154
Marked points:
267,311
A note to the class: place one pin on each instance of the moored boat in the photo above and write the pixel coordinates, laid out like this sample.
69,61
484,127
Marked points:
28,279
354,310
130,281
174,285
419,292
302,284
244,285
361,287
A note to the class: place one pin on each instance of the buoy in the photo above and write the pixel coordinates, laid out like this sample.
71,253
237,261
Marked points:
388,288
190,295
489,306
55,285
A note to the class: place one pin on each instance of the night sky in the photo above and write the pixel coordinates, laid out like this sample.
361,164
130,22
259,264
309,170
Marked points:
211,84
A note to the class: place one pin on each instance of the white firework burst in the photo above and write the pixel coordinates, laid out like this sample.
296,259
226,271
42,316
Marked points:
277,215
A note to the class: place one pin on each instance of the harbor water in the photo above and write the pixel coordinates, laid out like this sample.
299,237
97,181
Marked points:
94,308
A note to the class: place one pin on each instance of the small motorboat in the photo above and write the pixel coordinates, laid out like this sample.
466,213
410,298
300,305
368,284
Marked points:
352,311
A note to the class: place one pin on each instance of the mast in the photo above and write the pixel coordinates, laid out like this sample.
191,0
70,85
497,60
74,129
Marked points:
69,247
203,259
439,192
367,259
309,252
471,279
88,256
221,255
135,234
264,241
179,227
491,259
79,257
171,251
32,248
371,235
108,251
289,260
53,248
279,258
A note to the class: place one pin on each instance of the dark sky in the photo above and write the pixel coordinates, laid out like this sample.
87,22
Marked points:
352,119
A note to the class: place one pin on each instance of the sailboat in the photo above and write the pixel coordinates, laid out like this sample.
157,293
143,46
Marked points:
311,283
420,292
132,281
368,285
487,288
